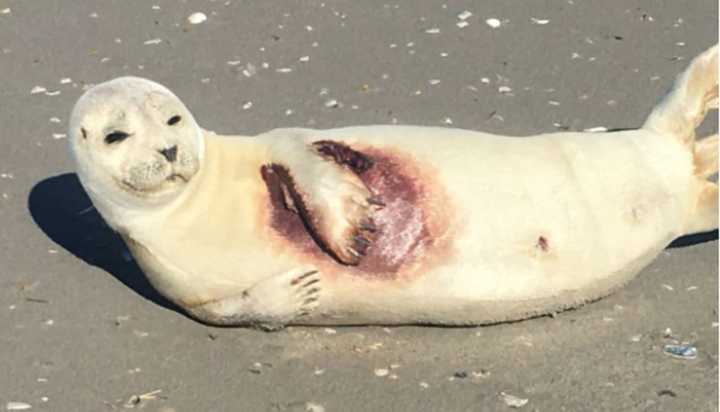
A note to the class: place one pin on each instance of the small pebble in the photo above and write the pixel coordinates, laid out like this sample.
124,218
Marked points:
381,372
596,129
5,11
666,286
539,21
504,89
247,105
37,90
65,80
493,22
18,406
462,24
424,385
304,59
197,18
58,136
433,30
284,70
249,70
434,82
464,15
636,338
330,331
153,41
314,407
513,401
482,373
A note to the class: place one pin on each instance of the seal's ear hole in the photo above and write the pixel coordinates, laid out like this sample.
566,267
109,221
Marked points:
174,120
116,136
84,132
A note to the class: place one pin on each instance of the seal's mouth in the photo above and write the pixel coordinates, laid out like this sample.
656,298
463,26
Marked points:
177,177
170,183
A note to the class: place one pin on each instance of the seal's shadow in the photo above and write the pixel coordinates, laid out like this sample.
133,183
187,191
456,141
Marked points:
62,209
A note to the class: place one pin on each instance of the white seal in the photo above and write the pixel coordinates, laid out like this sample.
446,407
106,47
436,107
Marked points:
391,224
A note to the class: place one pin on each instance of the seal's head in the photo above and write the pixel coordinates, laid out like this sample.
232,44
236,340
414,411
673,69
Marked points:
135,143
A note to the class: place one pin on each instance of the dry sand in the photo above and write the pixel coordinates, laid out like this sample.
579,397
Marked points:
81,330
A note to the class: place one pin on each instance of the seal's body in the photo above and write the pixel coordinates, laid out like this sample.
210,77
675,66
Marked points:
396,224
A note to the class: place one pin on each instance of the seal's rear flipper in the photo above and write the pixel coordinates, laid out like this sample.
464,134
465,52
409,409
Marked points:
705,217
681,111
705,155
695,92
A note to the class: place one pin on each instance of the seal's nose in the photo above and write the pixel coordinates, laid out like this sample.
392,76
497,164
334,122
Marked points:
170,153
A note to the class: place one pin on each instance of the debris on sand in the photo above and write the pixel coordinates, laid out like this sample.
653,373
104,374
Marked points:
197,18
464,15
136,400
381,372
513,401
493,22
18,406
314,407
684,351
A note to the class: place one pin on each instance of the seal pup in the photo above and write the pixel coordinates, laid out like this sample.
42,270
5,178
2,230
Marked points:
391,224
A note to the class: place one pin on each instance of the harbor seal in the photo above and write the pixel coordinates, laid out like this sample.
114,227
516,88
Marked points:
391,224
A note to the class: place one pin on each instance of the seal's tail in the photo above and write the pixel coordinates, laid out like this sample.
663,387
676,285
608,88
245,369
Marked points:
694,93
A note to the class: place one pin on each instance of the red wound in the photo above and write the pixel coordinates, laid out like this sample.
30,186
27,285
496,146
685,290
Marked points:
407,233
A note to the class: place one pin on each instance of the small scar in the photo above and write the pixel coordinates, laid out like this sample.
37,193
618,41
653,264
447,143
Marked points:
542,244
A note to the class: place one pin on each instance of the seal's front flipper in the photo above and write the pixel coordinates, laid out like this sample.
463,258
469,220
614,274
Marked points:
327,192
269,304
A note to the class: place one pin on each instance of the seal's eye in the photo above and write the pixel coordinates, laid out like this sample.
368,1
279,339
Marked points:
84,132
115,137
174,120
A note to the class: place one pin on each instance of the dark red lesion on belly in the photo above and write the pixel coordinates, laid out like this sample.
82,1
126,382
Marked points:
412,230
